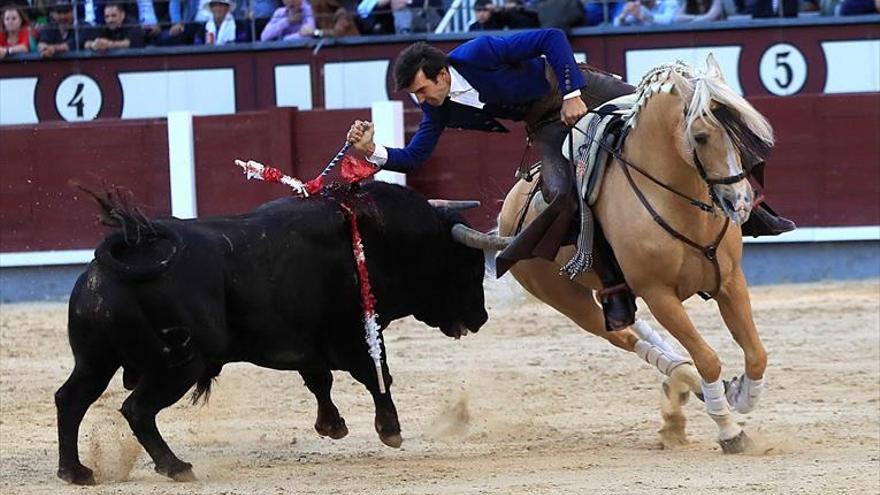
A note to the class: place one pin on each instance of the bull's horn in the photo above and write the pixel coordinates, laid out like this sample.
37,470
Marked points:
479,240
452,204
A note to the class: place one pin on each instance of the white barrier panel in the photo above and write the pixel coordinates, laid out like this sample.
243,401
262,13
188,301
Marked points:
640,61
387,117
182,165
17,97
355,84
156,93
293,86
853,66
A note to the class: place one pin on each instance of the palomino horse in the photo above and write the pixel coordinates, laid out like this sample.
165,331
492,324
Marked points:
692,133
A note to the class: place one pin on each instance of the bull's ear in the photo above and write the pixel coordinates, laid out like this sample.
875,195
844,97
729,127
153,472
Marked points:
453,204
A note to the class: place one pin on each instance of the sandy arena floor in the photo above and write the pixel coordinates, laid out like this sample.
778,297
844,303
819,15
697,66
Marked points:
530,405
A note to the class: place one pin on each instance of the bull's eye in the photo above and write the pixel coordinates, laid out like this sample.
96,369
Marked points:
701,138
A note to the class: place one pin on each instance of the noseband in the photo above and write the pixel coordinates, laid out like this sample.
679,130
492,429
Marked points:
726,181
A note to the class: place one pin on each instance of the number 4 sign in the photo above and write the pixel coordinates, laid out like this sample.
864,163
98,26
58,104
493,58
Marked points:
78,98
783,69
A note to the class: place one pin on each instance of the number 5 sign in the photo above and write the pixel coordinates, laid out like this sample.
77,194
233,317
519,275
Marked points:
78,98
783,69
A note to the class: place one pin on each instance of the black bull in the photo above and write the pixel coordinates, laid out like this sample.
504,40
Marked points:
171,301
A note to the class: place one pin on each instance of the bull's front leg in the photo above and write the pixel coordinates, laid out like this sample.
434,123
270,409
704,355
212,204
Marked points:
328,423
387,424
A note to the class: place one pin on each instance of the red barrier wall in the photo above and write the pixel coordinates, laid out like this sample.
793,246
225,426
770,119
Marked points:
823,172
39,207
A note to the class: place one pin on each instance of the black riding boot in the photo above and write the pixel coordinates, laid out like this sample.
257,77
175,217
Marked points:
618,301
764,222
550,230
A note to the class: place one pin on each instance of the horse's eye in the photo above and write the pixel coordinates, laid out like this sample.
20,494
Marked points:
701,139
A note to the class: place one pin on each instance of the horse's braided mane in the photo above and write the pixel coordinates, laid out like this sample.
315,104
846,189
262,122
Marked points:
746,126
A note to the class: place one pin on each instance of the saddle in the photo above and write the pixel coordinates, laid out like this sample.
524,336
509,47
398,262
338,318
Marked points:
591,143
592,137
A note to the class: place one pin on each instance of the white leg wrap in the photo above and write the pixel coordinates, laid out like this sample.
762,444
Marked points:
659,358
645,332
743,393
713,395
716,406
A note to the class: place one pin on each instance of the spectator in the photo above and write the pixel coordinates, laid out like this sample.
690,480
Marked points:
258,10
58,36
90,12
599,12
635,13
701,11
771,8
562,14
39,14
332,19
220,28
292,21
115,33
375,17
416,16
187,17
514,15
146,14
485,18
15,37
859,7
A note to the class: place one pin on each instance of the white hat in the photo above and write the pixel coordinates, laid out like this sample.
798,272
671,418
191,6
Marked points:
225,2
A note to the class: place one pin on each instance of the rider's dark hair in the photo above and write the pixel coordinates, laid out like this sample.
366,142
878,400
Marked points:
418,56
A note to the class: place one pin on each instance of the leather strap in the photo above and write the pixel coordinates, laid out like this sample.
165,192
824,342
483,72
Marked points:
710,251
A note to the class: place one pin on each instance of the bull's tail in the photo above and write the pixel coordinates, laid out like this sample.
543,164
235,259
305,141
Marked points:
178,351
203,385
141,249
117,212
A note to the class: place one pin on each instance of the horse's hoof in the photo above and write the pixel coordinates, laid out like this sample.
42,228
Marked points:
391,439
335,431
79,475
185,476
682,396
737,444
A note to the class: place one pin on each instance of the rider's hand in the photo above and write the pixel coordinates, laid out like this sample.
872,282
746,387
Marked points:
361,137
572,110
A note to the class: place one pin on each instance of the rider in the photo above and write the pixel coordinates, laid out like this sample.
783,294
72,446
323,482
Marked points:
490,78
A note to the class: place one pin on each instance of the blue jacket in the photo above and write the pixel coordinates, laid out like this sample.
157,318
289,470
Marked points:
508,73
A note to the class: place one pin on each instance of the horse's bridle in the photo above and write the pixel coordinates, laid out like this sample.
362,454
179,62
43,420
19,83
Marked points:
710,251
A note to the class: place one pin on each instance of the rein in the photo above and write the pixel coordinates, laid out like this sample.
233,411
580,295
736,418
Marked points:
710,251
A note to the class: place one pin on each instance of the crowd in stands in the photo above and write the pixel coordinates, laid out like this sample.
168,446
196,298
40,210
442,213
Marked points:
50,27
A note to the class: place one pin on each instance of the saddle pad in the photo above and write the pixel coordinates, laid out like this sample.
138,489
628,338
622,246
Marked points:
590,158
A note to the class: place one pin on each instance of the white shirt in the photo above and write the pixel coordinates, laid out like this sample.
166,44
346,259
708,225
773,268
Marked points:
461,92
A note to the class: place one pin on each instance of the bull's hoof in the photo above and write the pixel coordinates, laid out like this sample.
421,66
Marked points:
178,471
391,439
737,444
334,430
186,476
79,475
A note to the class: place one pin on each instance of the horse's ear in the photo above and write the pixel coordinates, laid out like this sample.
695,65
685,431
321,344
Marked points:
712,67
682,86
